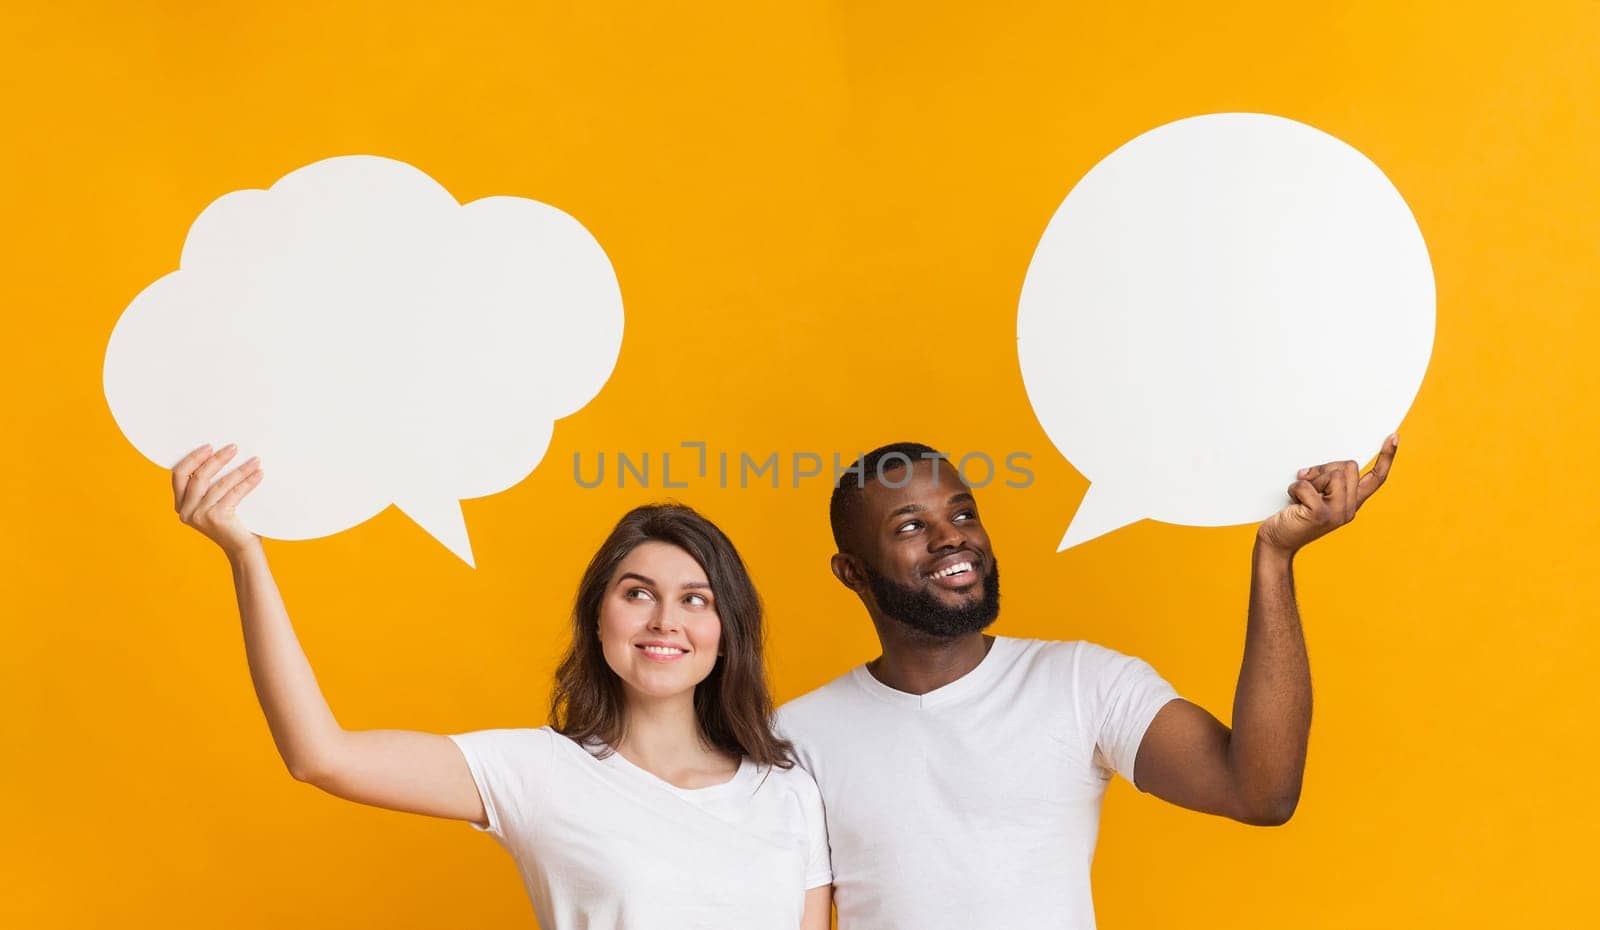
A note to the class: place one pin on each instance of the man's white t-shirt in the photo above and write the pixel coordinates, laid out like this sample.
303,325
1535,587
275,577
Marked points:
602,843
976,805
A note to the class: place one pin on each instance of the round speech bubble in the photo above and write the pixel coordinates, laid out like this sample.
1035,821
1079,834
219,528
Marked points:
1219,302
372,340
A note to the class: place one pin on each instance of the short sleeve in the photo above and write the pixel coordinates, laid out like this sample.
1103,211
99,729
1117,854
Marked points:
1118,696
511,769
819,867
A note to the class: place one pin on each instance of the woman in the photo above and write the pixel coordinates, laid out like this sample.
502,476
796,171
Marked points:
658,798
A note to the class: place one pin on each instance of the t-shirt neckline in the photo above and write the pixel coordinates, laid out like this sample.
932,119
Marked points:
746,770
983,673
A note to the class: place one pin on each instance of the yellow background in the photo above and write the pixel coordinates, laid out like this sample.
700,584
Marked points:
820,216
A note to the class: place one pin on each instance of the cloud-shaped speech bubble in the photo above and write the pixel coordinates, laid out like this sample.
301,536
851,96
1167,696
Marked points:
1219,302
372,340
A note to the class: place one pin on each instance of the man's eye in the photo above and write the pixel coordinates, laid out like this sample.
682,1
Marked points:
966,515
914,524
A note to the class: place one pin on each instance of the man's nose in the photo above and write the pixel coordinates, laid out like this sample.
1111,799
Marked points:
946,535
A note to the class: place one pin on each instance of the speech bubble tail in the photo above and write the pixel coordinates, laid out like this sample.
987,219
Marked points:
1098,514
443,521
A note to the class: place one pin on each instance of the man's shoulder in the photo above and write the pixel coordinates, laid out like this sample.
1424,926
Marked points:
1054,648
840,688
818,703
1051,662
1024,649
1079,665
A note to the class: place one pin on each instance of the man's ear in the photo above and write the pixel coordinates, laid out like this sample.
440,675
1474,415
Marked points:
847,568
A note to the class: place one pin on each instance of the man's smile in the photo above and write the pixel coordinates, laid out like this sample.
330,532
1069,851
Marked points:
955,572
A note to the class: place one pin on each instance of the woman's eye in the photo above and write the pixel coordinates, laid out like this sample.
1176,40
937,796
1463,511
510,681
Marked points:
642,594
698,600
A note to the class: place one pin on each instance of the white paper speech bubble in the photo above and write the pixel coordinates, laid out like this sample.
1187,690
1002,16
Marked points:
372,340
1219,302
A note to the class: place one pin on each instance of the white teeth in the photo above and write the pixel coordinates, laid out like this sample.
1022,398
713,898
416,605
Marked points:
664,650
956,569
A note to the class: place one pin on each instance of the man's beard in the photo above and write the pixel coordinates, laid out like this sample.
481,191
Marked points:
921,609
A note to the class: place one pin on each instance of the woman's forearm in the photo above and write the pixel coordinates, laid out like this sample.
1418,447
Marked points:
303,726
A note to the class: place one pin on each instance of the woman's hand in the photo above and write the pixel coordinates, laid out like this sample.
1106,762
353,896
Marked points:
210,507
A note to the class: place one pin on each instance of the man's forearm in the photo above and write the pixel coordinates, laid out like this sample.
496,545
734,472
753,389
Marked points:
1272,704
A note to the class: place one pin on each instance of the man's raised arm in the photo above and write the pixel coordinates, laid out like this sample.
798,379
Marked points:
1252,773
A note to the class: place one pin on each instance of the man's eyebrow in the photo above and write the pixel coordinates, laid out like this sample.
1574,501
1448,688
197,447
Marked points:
909,508
964,497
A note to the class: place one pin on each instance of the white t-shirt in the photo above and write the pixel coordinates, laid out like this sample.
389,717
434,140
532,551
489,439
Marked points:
976,805
601,843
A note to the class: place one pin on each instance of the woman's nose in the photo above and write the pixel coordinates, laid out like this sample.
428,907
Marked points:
665,619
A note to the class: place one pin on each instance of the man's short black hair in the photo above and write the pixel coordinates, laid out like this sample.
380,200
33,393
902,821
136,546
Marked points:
844,509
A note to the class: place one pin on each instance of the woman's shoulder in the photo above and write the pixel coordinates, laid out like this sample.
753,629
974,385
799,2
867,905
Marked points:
794,791
517,741
540,735
793,779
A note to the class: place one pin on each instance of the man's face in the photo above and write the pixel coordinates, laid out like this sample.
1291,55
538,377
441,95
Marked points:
925,554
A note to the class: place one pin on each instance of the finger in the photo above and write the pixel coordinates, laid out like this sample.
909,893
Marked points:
232,498
1306,495
1374,479
225,484
200,480
1334,485
1319,475
182,471
1325,483
1345,499
228,484
1311,473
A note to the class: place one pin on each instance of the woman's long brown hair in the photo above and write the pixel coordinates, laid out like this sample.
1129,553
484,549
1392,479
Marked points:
732,704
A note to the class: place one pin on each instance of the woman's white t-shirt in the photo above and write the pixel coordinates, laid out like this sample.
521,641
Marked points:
601,842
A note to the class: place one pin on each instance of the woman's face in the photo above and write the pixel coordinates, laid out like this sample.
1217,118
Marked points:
659,628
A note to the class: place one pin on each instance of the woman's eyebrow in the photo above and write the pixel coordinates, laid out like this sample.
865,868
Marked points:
651,582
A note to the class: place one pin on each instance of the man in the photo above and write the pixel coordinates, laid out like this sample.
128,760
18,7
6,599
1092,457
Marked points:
962,774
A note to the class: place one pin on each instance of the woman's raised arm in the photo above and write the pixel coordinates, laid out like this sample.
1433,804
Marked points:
402,770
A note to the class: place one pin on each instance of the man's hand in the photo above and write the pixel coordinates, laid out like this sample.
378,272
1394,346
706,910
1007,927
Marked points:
1325,498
